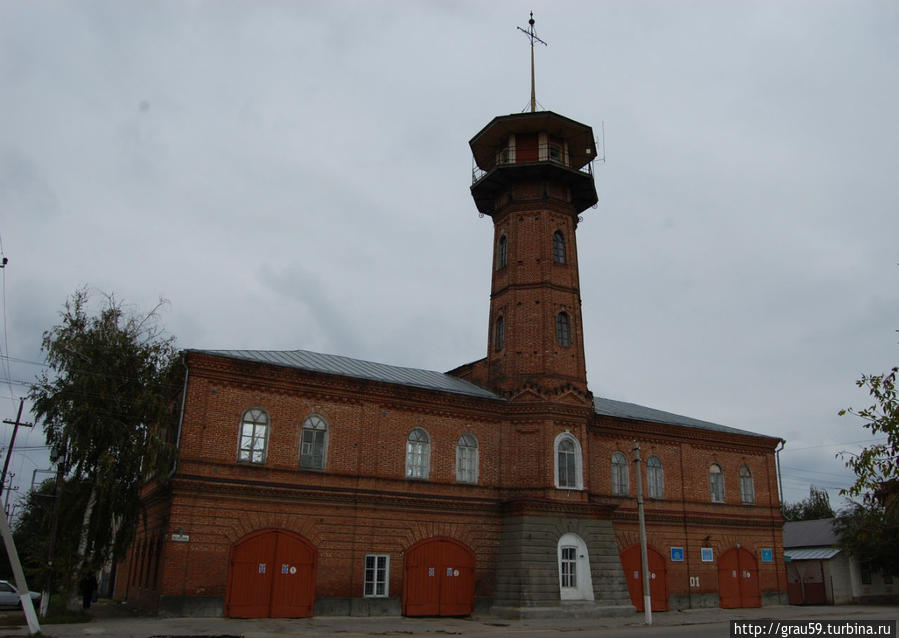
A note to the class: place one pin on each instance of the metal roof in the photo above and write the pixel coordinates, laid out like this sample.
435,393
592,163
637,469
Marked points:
634,412
816,533
357,369
818,553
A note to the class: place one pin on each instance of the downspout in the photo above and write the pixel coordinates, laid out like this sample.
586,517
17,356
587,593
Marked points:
181,414
780,484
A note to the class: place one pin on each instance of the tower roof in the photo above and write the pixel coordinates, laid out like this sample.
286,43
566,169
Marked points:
581,147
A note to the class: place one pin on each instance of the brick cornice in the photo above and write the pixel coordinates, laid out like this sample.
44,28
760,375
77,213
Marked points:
238,488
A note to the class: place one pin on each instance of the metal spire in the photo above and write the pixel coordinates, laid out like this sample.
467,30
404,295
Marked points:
532,36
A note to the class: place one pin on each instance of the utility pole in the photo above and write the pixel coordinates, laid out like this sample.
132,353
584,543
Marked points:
12,441
647,598
34,626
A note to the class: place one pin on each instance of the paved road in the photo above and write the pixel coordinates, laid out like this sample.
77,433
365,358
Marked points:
711,623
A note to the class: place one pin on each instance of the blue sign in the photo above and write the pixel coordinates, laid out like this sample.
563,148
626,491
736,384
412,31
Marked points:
677,554
767,556
708,555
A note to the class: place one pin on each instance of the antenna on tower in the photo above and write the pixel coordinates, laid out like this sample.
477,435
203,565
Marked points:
532,36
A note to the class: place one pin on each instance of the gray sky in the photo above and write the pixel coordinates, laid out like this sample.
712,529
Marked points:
294,175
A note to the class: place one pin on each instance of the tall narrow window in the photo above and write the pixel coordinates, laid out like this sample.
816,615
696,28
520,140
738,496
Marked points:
716,483
620,475
502,253
568,567
377,572
418,454
499,334
655,477
467,459
569,464
747,489
253,436
563,329
559,247
314,443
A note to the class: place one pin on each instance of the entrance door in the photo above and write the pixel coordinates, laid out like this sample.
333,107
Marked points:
738,579
271,574
658,577
438,579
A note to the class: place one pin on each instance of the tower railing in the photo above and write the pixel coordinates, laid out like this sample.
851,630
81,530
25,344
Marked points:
477,172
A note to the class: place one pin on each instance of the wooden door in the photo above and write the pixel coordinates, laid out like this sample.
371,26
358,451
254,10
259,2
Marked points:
438,579
658,577
271,574
738,579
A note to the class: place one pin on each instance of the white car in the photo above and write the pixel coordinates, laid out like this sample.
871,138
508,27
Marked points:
9,596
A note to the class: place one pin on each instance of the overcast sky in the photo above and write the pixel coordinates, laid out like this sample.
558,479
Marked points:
294,175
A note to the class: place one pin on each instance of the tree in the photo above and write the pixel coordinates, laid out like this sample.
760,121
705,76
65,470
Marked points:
816,506
869,532
876,465
32,525
868,529
105,403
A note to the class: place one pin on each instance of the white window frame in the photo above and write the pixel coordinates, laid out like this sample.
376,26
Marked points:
579,582
248,453
716,483
620,475
747,487
655,477
380,574
418,454
467,459
315,423
578,483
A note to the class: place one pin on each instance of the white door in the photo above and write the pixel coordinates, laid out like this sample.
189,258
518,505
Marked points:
575,581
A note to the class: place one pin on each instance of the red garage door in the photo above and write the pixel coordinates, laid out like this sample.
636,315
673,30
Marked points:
438,579
658,579
271,574
738,579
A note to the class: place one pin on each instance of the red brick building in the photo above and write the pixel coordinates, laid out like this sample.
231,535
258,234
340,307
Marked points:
317,484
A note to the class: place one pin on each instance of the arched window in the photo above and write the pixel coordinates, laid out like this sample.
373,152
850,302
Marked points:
575,579
716,483
418,454
563,329
747,489
499,334
467,459
253,436
655,477
502,253
620,475
569,464
314,443
559,247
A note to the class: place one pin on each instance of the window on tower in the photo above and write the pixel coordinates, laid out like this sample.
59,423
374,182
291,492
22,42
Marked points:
555,153
499,335
502,253
559,247
563,329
